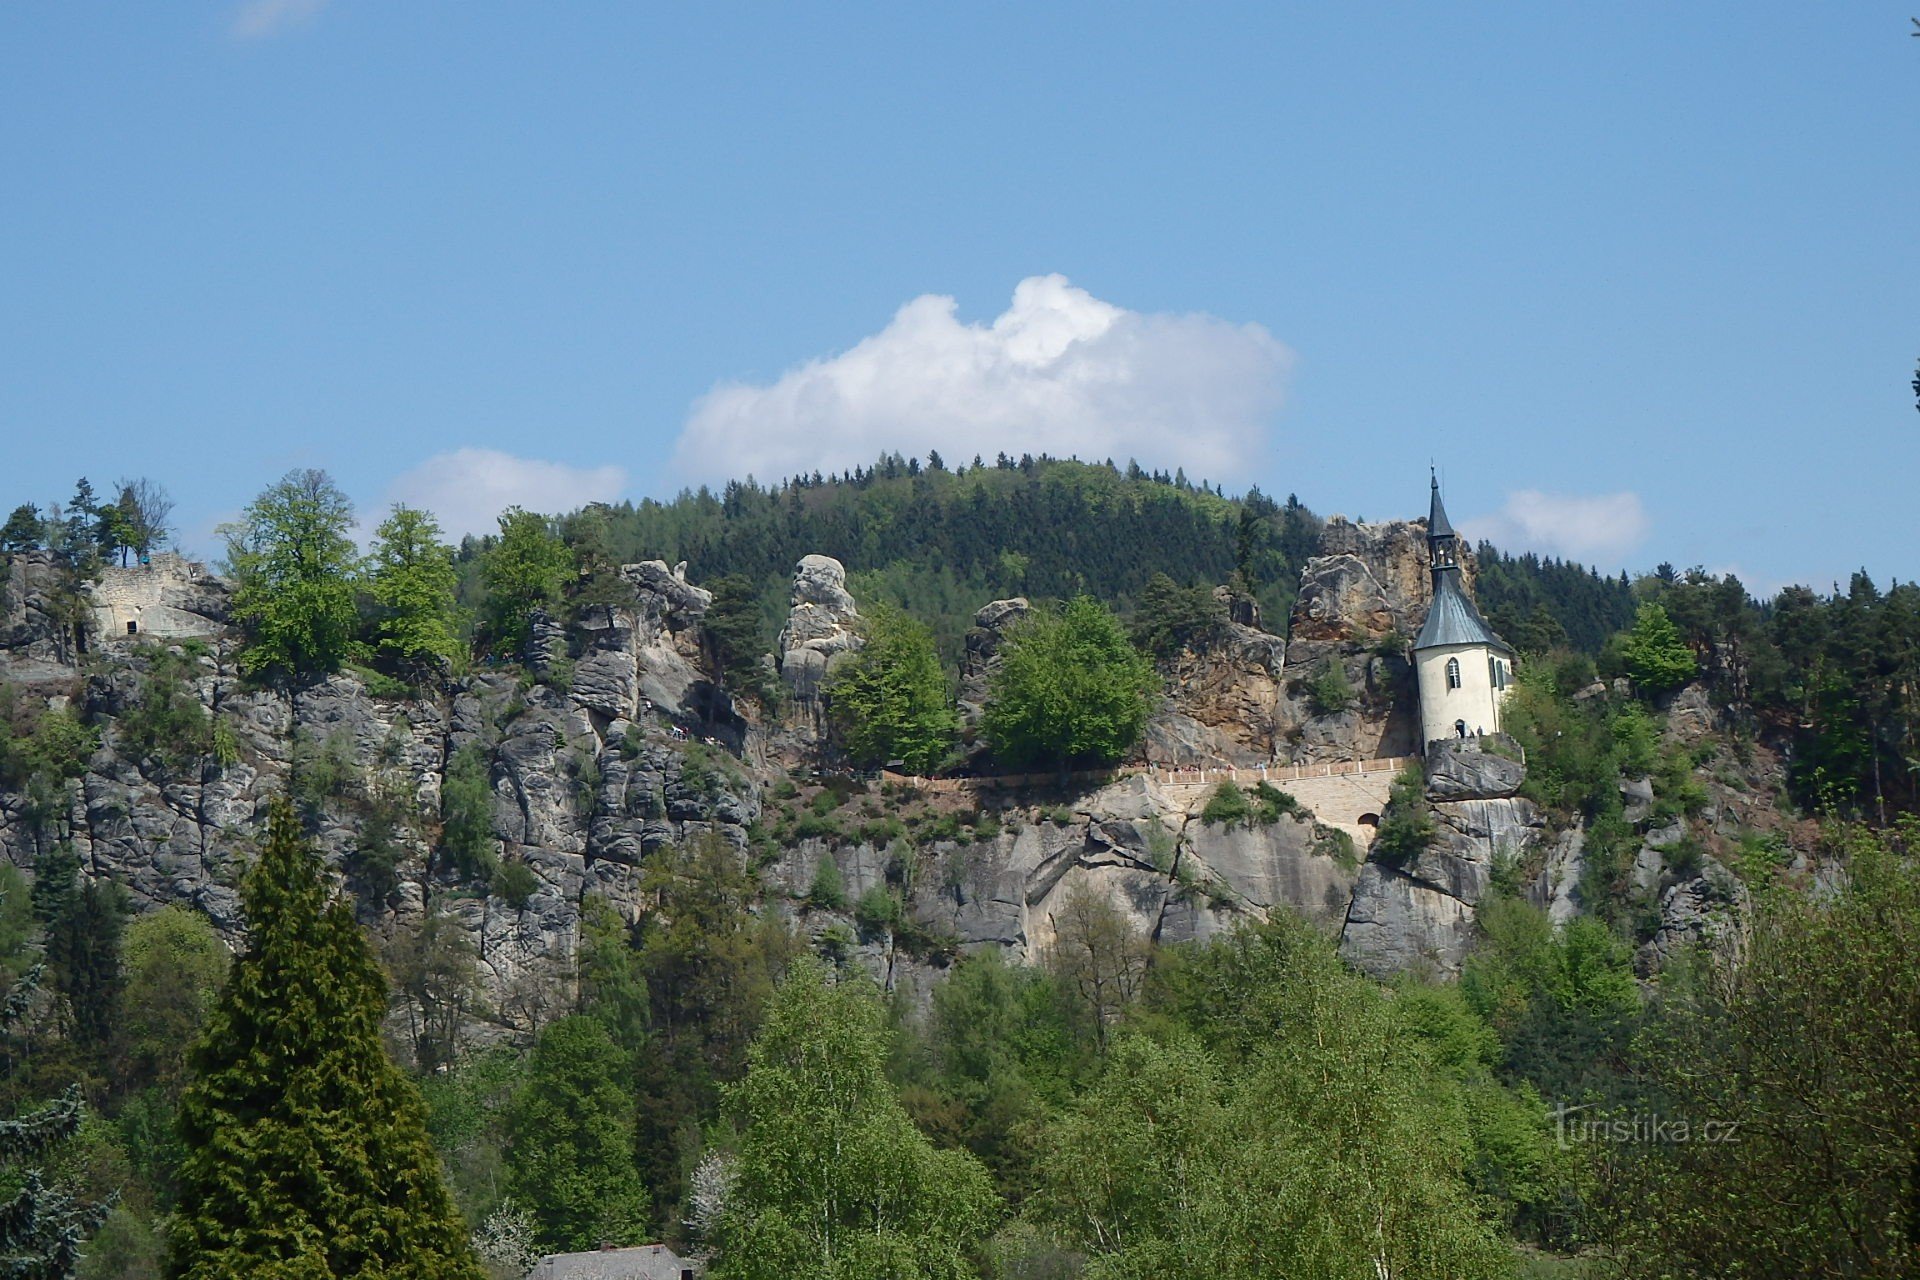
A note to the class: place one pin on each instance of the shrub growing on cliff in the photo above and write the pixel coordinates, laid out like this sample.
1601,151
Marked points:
1070,688
1227,805
1406,826
166,723
466,813
1330,691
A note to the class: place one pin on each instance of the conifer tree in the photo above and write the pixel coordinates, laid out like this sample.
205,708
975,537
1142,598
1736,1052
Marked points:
42,1226
306,1148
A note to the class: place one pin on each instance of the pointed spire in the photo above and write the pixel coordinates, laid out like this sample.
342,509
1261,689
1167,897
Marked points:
1437,525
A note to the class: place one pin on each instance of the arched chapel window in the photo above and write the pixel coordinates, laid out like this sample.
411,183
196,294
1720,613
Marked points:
1453,673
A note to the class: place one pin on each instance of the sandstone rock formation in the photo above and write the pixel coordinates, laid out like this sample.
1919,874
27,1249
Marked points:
1362,599
820,626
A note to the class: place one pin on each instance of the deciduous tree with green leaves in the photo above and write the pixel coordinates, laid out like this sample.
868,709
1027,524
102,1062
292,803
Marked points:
832,1178
1070,688
413,583
293,556
524,570
889,700
306,1147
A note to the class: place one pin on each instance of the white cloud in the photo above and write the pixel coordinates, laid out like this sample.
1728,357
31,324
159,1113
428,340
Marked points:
264,19
1059,372
1592,528
469,488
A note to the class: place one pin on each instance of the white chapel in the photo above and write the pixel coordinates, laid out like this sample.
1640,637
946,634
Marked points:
1464,669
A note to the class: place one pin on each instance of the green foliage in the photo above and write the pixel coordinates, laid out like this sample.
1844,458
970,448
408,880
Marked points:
571,1136
293,557
1210,1147
1804,1054
1657,658
175,966
1227,806
889,700
1406,825
1170,617
598,582
306,1148
413,584
24,530
828,892
524,570
321,770
167,723
735,628
1266,805
1330,692
514,883
1270,804
466,814
1069,688
831,1178
709,964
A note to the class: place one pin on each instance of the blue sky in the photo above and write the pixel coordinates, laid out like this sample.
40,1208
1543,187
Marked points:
1641,278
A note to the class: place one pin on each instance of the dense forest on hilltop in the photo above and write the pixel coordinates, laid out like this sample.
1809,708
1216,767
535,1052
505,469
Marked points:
939,542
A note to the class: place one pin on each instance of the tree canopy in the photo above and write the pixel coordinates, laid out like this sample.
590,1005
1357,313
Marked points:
889,700
832,1179
1069,688
294,558
306,1147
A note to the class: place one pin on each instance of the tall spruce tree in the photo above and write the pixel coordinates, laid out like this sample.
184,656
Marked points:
307,1151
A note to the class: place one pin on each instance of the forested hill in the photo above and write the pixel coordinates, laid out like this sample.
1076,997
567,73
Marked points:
941,541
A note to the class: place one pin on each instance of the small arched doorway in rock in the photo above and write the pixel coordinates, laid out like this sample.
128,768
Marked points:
1369,820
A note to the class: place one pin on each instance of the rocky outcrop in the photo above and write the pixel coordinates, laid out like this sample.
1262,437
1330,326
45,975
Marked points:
1223,696
1419,913
980,651
42,621
645,659
820,626
1462,771
1349,692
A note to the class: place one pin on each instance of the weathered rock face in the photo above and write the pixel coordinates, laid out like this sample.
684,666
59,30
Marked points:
584,783
41,624
1223,698
1421,914
1362,599
980,653
646,659
1461,771
820,626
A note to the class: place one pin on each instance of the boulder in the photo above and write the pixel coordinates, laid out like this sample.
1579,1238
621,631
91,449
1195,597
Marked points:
1461,771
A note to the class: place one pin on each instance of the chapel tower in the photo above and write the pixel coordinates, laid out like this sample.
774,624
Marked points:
1464,669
